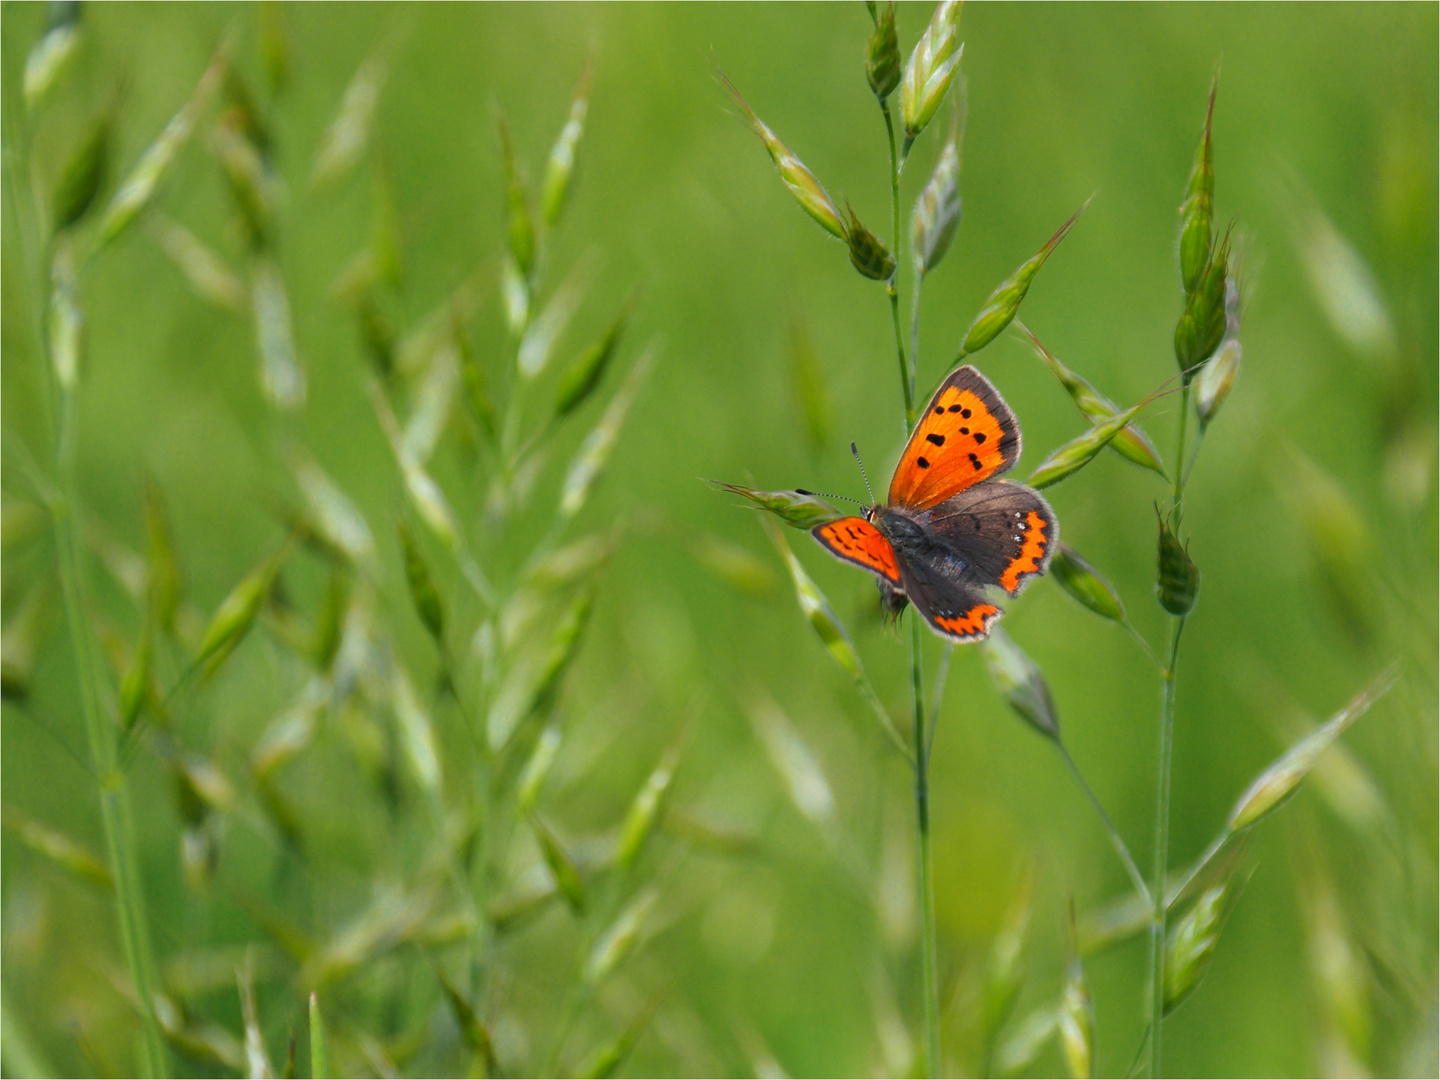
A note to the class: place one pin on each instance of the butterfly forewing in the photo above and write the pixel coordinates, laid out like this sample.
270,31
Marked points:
967,434
855,540
1005,530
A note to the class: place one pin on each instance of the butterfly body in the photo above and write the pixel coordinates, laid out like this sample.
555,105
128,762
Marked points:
950,530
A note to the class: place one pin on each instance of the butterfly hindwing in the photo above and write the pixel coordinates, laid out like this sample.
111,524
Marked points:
952,608
1003,531
966,435
856,540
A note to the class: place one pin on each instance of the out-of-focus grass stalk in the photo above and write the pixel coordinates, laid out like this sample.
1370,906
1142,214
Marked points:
1162,782
929,959
103,740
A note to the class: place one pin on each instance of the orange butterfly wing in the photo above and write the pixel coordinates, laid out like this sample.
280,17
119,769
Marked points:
855,540
966,435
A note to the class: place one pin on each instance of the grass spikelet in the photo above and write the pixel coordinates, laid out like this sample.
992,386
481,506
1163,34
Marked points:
1216,379
594,452
336,517
606,1060
280,371
808,192
1084,583
938,209
84,174
66,326
930,70
257,1056
1282,779
472,1028
433,405
520,226
56,847
545,332
51,55
204,270
1202,324
1081,450
1026,1041
417,736
798,509
344,141
237,612
1021,682
1191,946
537,768
1177,580
1075,1019
562,867
251,183
796,765
1197,213
882,55
534,680
648,805
1130,442
580,379
620,938
816,608
560,167
142,184
868,254
1002,304
423,593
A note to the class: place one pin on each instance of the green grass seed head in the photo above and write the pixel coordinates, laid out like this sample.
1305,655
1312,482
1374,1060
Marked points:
808,192
423,593
931,69
798,509
1202,324
1085,584
1190,946
1019,680
620,938
882,55
1216,379
937,210
1177,580
1075,1018
51,55
1002,305
583,375
560,167
1197,213
84,174
868,253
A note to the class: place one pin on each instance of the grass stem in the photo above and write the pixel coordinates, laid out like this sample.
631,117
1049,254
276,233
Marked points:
1121,848
928,960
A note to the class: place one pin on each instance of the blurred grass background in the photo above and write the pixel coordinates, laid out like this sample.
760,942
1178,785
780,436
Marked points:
1312,511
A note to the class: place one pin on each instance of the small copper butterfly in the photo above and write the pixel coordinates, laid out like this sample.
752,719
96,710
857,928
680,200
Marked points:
950,529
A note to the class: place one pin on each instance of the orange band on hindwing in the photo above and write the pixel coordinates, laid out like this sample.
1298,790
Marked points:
974,623
1032,553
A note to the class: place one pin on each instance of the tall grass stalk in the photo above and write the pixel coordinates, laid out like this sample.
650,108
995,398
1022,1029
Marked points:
1162,772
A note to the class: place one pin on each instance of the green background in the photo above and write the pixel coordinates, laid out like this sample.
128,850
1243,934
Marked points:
1323,112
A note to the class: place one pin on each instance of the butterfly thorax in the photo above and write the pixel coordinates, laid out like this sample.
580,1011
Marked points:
912,538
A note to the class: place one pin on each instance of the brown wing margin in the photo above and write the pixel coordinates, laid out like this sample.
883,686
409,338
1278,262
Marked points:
967,434
857,541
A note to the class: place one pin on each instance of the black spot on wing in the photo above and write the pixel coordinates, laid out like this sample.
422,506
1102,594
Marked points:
938,440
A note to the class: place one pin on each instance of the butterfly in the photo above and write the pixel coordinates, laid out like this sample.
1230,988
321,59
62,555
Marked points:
950,529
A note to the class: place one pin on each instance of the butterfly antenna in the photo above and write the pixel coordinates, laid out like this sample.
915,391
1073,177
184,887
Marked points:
822,495
863,474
